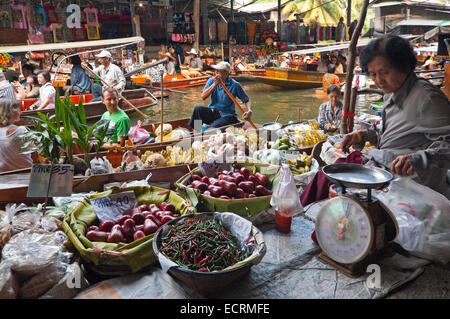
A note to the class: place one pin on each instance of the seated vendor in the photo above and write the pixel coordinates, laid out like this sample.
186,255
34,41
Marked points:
330,112
119,122
79,80
221,111
416,114
195,66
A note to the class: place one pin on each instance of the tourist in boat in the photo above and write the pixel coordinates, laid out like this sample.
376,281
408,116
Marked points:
323,64
341,67
46,92
80,83
171,65
416,114
108,72
6,89
27,69
329,79
119,122
10,140
221,110
31,90
285,60
329,118
195,66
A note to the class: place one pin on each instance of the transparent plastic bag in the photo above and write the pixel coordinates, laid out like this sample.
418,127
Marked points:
423,217
285,197
16,219
100,166
131,162
137,134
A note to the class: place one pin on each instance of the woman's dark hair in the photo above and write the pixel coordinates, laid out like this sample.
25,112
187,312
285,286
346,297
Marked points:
75,60
34,76
46,75
333,87
394,48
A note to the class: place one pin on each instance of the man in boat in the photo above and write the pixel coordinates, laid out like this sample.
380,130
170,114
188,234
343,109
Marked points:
119,122
221,110
330,78
416,114
330,112
195,66
108,72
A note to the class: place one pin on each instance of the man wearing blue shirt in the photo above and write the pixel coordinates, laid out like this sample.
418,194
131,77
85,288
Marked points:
221,110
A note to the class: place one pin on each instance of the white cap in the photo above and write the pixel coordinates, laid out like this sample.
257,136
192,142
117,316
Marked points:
222,66
104,54
193,51
286,55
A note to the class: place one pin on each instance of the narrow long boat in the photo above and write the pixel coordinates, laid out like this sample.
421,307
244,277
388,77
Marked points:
140,98
179,81
294,79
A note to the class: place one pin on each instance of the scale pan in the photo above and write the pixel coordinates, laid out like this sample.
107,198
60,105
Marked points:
357,175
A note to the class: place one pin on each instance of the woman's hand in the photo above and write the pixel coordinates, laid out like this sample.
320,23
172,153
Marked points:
402,165
349,140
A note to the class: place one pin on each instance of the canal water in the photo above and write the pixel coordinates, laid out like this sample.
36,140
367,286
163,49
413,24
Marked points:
267,103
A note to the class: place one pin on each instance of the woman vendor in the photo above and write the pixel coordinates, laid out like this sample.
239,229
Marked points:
415,115
221,110
330,112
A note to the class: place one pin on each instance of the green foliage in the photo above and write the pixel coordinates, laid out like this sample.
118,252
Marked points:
53,136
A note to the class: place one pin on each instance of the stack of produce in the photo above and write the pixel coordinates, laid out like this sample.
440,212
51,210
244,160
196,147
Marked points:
233,143
300,165
304,135
245,190
125,249
201,245
241,183
141,221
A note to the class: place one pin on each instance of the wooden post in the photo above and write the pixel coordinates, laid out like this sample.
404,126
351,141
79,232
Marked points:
350,66
197,24
205,27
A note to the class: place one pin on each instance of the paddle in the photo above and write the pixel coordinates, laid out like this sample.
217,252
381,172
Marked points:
120,95
236,103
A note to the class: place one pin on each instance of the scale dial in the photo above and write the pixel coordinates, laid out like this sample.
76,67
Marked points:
344,230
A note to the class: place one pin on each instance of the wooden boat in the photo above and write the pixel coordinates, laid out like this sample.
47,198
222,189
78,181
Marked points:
294,79
14,187
254,72
140,98
179,81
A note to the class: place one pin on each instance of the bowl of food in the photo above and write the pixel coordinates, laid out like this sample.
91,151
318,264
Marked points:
208,251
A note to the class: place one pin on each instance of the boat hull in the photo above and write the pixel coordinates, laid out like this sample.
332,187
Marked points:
179,81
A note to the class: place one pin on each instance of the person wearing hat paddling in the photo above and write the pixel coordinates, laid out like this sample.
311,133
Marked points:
285,60
108,71
221,110
195,66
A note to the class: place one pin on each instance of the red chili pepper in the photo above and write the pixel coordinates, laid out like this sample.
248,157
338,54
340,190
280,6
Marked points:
224,252
204,260
195,259
184,255
203,269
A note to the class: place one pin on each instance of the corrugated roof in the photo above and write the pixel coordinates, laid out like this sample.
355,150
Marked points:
263,6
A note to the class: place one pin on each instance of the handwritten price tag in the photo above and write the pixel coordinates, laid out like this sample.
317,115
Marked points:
56,179
111,207
211,167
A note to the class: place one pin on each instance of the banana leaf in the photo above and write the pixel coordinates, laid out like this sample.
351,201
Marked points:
243,207
132,256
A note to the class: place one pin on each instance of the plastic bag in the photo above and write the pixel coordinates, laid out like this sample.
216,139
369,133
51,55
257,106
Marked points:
423,217
131,162
285,197
137,134
100,166
17,219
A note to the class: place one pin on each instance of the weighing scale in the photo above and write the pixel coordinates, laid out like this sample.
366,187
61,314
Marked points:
353,230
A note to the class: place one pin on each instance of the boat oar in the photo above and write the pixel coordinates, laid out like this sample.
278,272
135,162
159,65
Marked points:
145,116
236,103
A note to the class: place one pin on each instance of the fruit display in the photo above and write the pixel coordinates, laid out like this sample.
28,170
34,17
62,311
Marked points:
234,142
301,164
237,184
284,144
304,135
143,220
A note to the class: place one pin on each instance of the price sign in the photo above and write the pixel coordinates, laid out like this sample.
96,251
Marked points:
50,180
211,167
111,207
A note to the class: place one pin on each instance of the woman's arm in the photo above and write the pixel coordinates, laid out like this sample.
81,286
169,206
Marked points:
46,102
